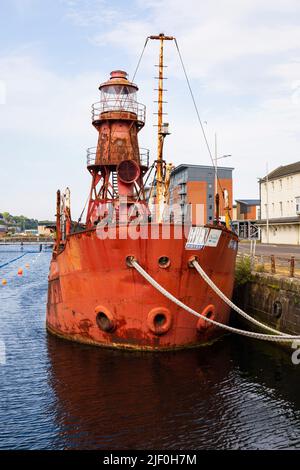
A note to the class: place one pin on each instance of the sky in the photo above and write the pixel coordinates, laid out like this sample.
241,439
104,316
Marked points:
242,58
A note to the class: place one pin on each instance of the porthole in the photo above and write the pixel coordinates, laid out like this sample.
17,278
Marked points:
105,323
164,262
159,320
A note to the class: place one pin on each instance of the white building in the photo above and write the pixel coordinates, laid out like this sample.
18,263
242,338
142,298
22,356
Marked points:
280,205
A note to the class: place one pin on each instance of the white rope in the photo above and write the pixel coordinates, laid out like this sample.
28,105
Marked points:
250,334
229,302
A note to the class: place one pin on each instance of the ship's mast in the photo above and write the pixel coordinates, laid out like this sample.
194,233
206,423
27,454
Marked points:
161,133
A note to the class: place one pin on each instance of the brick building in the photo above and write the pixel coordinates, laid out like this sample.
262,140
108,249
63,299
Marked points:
194,185
247,209
246,214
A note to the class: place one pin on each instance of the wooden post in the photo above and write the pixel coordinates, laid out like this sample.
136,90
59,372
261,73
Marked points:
292,266
262,263
273,265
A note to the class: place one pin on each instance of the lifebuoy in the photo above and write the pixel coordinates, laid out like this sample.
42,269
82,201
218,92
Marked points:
105,320
208,312
159,320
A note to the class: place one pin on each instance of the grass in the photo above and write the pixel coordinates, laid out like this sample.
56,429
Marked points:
243,270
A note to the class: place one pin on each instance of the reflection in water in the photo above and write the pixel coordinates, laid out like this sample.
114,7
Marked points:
56,394
229,395
135,400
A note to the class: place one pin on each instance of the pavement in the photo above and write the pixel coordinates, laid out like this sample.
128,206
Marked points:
269,249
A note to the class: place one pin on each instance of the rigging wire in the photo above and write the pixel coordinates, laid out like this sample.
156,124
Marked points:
80,217
198,115
140,58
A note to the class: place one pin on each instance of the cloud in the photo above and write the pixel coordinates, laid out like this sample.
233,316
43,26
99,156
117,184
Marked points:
88,13
243,60
45,128
35,94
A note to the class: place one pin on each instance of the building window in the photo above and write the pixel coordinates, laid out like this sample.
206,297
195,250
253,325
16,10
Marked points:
210,207
297,199
280,207
210,217
273,185
280,184
210,196
244,209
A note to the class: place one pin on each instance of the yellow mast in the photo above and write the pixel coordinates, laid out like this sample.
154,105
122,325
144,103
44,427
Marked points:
160,163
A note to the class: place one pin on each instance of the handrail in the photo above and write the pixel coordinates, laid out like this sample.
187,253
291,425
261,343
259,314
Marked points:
144,156
117,104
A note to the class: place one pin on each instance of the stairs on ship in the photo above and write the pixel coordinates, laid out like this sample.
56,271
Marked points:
115,182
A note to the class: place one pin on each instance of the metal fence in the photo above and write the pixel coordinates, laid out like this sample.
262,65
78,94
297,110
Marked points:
273,264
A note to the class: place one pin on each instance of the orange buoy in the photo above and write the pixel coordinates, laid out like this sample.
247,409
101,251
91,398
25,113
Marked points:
20,271
4,281
27,265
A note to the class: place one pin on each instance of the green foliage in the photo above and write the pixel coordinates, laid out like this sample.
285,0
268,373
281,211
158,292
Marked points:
274,287
243,270
46,222
19,221
6,215
260,268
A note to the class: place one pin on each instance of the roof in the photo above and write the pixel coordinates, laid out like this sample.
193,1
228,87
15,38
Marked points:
183,166
285,170
249,202
279,220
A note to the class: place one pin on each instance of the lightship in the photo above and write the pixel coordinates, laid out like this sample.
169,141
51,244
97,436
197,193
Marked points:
95,296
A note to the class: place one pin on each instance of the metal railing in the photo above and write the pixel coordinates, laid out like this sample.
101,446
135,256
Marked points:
288,266
117,104
91,156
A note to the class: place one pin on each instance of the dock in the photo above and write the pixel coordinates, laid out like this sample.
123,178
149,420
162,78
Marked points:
35,245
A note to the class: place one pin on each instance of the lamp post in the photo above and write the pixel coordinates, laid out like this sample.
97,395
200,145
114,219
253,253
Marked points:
267,205
216,163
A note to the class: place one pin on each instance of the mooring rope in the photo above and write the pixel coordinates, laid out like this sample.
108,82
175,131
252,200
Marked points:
250,334
234,307
12,260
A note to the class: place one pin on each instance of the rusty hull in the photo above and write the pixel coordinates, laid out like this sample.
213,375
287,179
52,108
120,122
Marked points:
91,274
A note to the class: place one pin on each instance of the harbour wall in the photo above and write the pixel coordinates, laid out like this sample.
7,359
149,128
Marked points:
272,299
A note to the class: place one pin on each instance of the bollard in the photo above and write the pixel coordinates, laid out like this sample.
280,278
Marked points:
273,265
292,266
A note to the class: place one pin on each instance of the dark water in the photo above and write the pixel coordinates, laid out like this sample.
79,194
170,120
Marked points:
58,395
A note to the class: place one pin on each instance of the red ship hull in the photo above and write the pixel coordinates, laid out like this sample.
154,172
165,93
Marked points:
94,297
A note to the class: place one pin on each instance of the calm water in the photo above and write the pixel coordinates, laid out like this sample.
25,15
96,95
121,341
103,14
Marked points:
58,395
